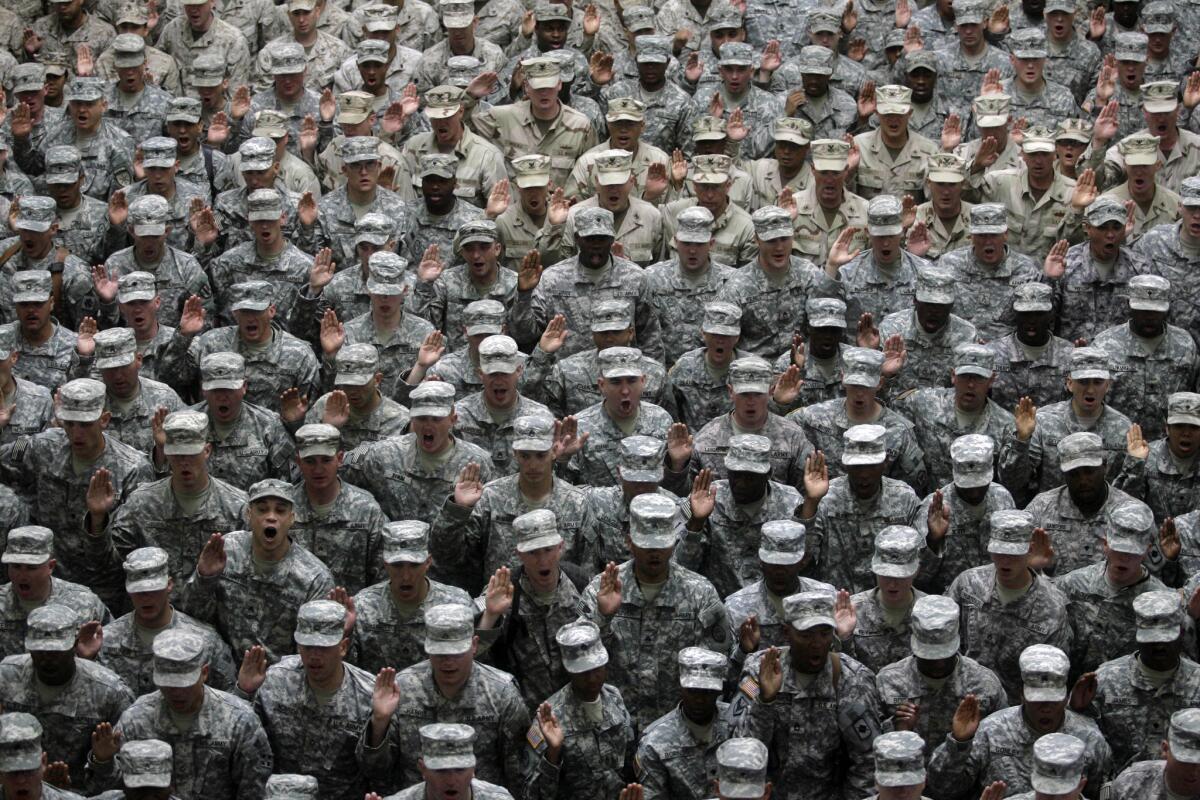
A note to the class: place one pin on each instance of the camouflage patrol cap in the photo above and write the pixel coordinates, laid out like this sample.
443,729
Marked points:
444,101
1033,297
320,623
179,658
1058,764
1066,6
1183,408
707,128
991,110
252,296
935,621
380,17
712,168
770,222
894,38
300,5
224,370
385,274
149,215
432,399
1129,527
861,366
257,153
318,439
748,452
115,347
722,319
208,70
974,359
1149,293
291,786
824,20
1010,532
531,170
793,129
825,312
374,228
897,552
372,51
987,218
1183,735
1159,616
1075,130
806,610
85,90
55,62
625,109
147,569
700,668
51,628
613,167
782,542
694,225
1080,449
864,445
28,544
970,12
449,630
541,73
447,745
1038,139
742,768
270,124
81,400
436,165
1027,43
640,459
360,148
652,521
145,763
129,50
31,286
533,432
580,646
456,14
271,488
499,354
736,54
551,12
406,541
829,155
287,58
945,168
611,315
750,375
725,17
893,99
37,213
935,285
20,742
594,221
1189,191
1105,208
1159,97
1044,671
638,18
815,60
1157,17
64,164
265,205
1089,363
920,59
972,460
1139,149
1131,46
620,362
484,317
184,109
28,77
899,758
883,216
461,70
476,230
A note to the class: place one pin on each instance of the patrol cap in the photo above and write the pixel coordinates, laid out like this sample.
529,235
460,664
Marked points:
257,154
620,362
85,90
373,228
971,460
186,432
51,629
208,70
363,148
406,541
935,285
1058,764
706,128
178,658
712,168
318,439
149,215
652,521
945,168
861,366
449,630
29,77
724,17
499,354
1183,408
285,786
749,452
37,214
823,20
531,170
894,38
320,623
287,58
456,14
353,107
594,221
897,552
356,364
829,155
988,218
264,205
31,285
920,59
782,542
974,359
883,216
1189,191
611,315
625,109
447,745
736,54
536,529
1028,43
1157,17
1131,46
771,222
28,544
1159,616
1183,735
533,432
444,101
934,621
1066,6
1033,297
742,768
380,17
1090,362
700,668
1011,532
652,49
1081,449
638,18
461,70
269,123
991,110
1038,139
806,610
147,569
815,60
115,347
825,312
144,763
750,375
551,12
1149,293
432,399
437,165
794,129
694,225
1130,527
224,370
270,487
566,64
969,12
1104,208
1159,97
864,445
81,400
484,317
63,165
893,99
372,51
20,742
580,645
899,758
722,319
129,50
1076,130
612,167
252,296
385,274
640,459
1138,149
541,73
1044,671
55,62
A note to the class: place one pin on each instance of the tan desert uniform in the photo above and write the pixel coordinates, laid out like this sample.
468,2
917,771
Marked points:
815,230
765,177
733,232
480,163
518,231
619,109
353,108
1141,149
880,172
945,168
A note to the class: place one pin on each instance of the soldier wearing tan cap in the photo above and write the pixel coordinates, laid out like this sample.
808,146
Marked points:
787,166
626,118
893,157
1153,203
529,201
826,208
711,185
355,116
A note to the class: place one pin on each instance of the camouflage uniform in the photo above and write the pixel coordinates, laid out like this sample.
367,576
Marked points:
1043,378
771,310
1142,780
286,271
1133,711
1169,487
86,233
1076,539
1164,248
1144,381
322,59
221,39
1074,64
145,117
610,509
107,157
596,464
233,223
759,601
667,111
936,423
443,301
825,423
177,277
675,760
985,293
386,634
965,545
344,536
46,366
335,224
568,385
257,446
130,655
928,354
476,425
131,425
440,229
1087,301
13,612
697,390
593,753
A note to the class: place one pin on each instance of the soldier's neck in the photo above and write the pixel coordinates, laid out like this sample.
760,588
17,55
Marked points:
1081,414
536,489
322,496
361,198
162,620
309,39
276,247
332,683
1166,142
8,384
148,334
41,335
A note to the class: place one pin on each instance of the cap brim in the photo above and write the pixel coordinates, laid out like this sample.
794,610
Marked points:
353,378
885,230
890,570
657,542
703,683
532,181
251,305
390,289
1028,55
484,329
778,232
1148,305
828,165
190,119
827,322
721,330
322,449
190,449
442,112
897,779
21,763
1183,419
696,237
893,108
591,661
29,86
379,240
37,226
992,121
971,369
812,621
115,361
1037,147
147,585
1140,160
607,326
779,558
621,372
78,416
448,762
145,781
207,83
621,116
745,465
714,178
742,790
317,640
60,178
1139,58
1007,548
794,138
612,178
1160,106
640,475
1182,752
45,645
750,387
859,379
352,117
938,176
31,297
1123,544
652,58
863,459
431,411
405,556
1045,694
1043,784
934,297
177,680
1029,307
256,164
1158,635
1095,374
708,136
380,25
1066,465
534,445
971,480
548,540
542,82
150,229
447,648
1100,219
934,652
500,365
209,386
24,558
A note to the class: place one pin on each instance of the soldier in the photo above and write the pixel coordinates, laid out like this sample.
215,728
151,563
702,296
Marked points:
1058,767
463,38
892,157
882,633
294,173
460,368
1040,101
127,646
520,224
737,92
83,227
1002,745
209,82
1122,85
437,214
134,102
1167,247
626,121
787,167
695,382
829,110
355,117
991,116
1178,148
1162,472
199,31
22,760
1006,606
47,351
286,92
323,52
1031,361
826,209
712,185
945,216
227,584
1153,204
899,765
816,355
963,65
1176,773
1071,59
34,255
930,333
145,769
29,406
355,407
921,692
1071,138
199,163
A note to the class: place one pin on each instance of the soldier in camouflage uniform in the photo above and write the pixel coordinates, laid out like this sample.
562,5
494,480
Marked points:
759,107
460,368
786,167
1071,59
144,116
47,352
199,32
29,406
1163,472
355,406
323,52
356,116
829,110
203,164
963,65
1037,99
882,629
1153,203
930,331
145,767
1031,361
22,765
229,225
34,251
389,627
816,354
697,382
714,185
83,223
1129,49
448,765
1177,148
1169,249
438,213
1158,779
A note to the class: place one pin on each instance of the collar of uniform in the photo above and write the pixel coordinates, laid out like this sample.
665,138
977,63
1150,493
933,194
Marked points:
821,685
1013,353
875,144
525,116
916,686
633,590
1058,190
1068,510
60,341
608,279
203,726
1182,676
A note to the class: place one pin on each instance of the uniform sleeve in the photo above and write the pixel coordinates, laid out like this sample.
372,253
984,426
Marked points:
955,767
529,314
649,330
859,715
514,721
1021,463
251,762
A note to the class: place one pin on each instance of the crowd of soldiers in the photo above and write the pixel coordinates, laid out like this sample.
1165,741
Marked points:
642,400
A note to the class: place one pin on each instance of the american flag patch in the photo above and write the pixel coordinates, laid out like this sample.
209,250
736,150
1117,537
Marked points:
749,687
534,736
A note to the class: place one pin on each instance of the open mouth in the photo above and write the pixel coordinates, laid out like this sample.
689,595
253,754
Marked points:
270,532
24,590
427,440
626,406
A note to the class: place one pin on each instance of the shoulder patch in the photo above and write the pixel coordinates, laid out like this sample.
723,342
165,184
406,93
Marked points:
749,687
534,736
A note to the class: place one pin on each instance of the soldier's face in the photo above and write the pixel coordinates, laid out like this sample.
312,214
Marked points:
720,36
1190,216
270,520
447,784
1060,25
922,82
826,39
720,348
500,388
587,685
1011,570
781,579
140,315
1044,717
53,667
1040,166
809,649
1105,240
932,317
86,114
651,563
452,672
150,606
1141,182
815,84
131,79
289,87
624,134
594,251
750,408
860,400
606,339
320,471
1034,8
362,176
1147,324
1183,439
254,326
541,566
34,316
1161,656
747,487
267,232
622,396
161,179
85,437
1130,73
31,582
652,74
775,253
711,147
970,391
1184,777
865,479
1122,569
212,97
225,405
362,396
937,668
1086,485
321,664
68,12
186,699
373,73
693,256
1161,123
552,34
970,35
25,784
886,249
1033,327
36,243
790,155
66,195
34,100
305,22
199,15
736,79
1088,394
829,183
448,130
823,342
901,792
1068,151
989,247
698,705
535,465
533,200
1126,12
895,592
1158,44
122,382
433,433
259,178
481,258
1028,70
407,578
614,196
543,101
437,191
